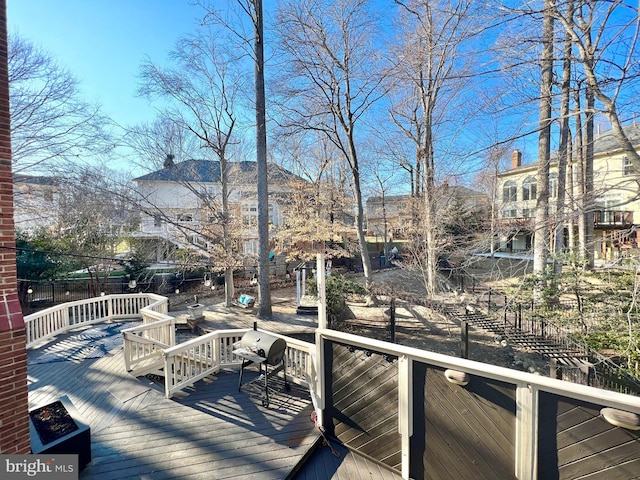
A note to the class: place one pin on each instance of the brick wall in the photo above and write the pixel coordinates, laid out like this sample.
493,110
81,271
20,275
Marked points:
14,407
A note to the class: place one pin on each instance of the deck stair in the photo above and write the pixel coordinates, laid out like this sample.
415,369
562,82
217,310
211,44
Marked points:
512,334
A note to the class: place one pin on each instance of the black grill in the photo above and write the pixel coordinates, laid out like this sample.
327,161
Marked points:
269,347
265,350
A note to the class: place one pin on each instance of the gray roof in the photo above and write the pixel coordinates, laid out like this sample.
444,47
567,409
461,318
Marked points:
448,190
389,198
208,171
461,191
607,142
35,180
603,143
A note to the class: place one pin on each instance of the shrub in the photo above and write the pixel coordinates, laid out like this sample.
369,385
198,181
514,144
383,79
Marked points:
337,288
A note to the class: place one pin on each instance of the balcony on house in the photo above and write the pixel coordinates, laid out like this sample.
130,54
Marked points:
520,223
612,219
602,219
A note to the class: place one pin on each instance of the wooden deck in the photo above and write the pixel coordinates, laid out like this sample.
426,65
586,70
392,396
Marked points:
213,431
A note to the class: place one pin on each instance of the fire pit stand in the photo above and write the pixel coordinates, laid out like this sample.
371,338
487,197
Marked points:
59,428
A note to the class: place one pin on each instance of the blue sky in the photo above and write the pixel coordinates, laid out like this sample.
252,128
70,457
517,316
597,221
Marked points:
103,42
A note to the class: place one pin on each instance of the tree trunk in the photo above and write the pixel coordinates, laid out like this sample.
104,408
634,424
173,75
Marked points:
541,239
580,193
229,288
588,181
431,249
429,227
570,220
563,153
589,54
364,251
264,294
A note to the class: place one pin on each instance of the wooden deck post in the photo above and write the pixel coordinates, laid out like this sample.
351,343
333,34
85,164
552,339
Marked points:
320,342
322,296
405,410
464,340
526,432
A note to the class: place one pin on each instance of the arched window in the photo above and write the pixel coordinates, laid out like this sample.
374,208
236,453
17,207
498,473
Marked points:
529,189
553,185
509,191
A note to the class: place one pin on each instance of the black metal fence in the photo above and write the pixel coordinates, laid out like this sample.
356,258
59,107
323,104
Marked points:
538,321
35,295
593,368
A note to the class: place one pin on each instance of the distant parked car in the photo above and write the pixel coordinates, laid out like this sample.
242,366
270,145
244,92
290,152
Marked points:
95,268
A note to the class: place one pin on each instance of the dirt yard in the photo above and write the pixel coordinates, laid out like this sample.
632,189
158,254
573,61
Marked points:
421,327
416,326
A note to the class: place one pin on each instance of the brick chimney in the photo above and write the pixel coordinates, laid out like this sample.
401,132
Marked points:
14,405
168,162
516,158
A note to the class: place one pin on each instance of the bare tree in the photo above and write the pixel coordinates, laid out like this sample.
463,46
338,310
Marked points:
317,209
564,150
541,236
600,48
331,81
252,45
153,141
429,63
202,90
605,35
264,310
94,220
487,181
51,126
313,221
382,182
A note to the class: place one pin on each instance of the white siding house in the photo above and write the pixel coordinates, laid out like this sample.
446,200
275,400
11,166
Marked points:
615,207
181,203
36,202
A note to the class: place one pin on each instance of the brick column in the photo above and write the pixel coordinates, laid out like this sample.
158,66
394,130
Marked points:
14,406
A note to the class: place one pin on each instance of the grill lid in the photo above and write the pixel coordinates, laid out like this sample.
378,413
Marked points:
264,345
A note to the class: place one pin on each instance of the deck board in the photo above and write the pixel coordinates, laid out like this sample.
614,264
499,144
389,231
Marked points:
213,431
323,465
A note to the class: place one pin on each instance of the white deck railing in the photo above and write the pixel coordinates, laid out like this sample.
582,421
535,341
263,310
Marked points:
53,321
151,346
144,344
195,359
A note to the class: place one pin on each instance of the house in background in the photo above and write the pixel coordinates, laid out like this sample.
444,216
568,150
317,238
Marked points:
391,212
615,209
36,202
397,212
182,203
